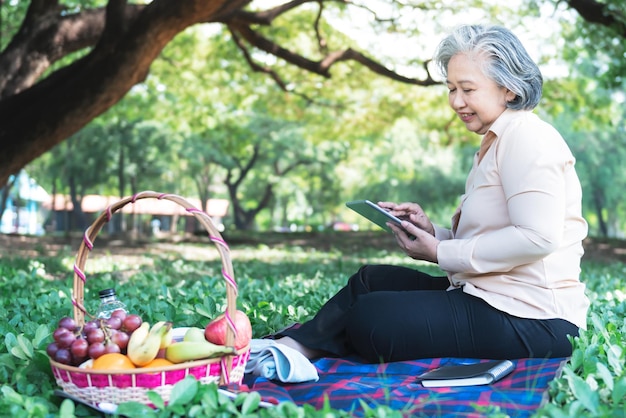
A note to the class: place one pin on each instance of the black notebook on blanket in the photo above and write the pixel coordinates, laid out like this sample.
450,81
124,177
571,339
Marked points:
467,374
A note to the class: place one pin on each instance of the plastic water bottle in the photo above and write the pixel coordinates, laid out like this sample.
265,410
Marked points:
109,303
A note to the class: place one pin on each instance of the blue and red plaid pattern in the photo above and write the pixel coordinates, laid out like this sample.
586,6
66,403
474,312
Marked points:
346,383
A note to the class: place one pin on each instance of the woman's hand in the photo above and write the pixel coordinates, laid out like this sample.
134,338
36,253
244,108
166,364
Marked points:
416,236
415,242
411,212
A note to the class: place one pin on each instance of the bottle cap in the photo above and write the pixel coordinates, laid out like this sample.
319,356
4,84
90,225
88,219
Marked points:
106,293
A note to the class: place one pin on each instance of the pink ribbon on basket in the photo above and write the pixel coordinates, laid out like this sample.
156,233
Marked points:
109,213
79,306
194,210
227,277
79,273
225,374
89,246
87,241
219,241
231,323
230,281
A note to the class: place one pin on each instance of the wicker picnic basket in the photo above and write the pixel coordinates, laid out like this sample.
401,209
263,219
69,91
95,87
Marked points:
101,386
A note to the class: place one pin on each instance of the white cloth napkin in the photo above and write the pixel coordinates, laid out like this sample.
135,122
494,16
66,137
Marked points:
275,361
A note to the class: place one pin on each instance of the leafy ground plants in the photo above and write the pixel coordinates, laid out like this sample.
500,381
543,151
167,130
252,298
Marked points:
278,285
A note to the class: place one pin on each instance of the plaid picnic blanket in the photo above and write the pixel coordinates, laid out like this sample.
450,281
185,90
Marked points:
349,384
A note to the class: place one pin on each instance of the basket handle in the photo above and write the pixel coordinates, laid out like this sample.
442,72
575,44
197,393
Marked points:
214,235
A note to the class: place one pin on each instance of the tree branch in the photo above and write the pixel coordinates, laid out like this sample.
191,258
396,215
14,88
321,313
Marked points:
321,42
600,13
38,9
114,23
253,64
322,67
245,168
374,66
289,167
265,69
47,36
266,17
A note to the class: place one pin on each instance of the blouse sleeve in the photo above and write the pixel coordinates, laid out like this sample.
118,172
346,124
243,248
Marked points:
442,233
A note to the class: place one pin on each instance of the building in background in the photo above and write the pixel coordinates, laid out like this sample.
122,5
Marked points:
30,210
149,216
24,206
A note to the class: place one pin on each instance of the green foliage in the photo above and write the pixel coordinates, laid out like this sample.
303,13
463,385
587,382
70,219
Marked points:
276,287
593,122
130,155
594,382
10,15
598,51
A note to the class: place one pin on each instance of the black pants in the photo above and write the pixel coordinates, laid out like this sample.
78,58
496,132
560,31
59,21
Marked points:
391,313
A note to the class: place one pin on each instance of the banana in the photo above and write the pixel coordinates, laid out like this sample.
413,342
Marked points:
145,342
167,337
179,352
194,334
138,337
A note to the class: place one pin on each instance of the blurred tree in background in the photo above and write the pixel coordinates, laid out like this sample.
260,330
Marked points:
287,108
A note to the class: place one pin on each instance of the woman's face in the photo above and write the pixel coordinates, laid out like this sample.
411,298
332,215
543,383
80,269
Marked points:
477,99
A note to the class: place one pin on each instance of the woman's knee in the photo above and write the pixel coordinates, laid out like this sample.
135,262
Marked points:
376,331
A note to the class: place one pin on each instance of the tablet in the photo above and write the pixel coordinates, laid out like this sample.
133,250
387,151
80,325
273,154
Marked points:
374,213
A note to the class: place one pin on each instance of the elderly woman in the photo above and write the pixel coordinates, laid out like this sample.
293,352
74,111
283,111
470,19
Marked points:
512,256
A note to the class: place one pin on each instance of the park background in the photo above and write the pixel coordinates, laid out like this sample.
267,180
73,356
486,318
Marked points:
280,112
218,118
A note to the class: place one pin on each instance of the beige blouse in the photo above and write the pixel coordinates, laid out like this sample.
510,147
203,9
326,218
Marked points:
516,240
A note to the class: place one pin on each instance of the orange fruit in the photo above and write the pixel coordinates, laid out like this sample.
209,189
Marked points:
158,362
112,361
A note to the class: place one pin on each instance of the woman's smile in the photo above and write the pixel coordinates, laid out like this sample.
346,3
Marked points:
466,117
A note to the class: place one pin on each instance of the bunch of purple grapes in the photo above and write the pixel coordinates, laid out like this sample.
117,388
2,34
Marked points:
74,345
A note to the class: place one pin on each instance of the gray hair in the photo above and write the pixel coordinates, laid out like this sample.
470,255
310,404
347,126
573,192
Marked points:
507,63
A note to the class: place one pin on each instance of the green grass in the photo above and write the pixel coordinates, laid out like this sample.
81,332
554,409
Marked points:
277,286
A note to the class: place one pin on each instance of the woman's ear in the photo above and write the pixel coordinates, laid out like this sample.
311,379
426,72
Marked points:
510,96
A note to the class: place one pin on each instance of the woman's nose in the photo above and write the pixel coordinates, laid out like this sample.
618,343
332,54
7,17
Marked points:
456,101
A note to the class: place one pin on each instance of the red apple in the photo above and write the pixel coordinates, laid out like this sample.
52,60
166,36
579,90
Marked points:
215,331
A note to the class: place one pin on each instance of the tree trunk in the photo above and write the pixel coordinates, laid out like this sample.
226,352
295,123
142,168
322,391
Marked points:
78,217
599,206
